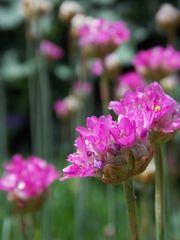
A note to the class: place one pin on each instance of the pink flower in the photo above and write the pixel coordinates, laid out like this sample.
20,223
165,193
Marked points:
157,62
97,68
51,50
104,149
82,88
103,36
66,106
129,81
26,179
151,109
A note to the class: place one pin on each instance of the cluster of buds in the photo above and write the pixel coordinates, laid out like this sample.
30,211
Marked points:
157,63
26,181
168,17
112,150
35,8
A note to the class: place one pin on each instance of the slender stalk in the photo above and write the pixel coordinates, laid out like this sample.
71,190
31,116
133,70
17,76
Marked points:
159,195
37,228
3,126
23,227
104,90
131,208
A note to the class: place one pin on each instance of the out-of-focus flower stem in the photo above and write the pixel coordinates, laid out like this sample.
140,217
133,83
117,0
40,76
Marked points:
37,228
131,208
159,195
23,227
3,127
104,90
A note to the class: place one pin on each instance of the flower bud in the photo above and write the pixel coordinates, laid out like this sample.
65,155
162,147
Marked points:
68,10
168,17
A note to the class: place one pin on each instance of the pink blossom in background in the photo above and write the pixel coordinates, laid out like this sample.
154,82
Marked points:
151,109
29,178
97,68
51,50
82,88
129,81
61,108
64,107
157,62
103,36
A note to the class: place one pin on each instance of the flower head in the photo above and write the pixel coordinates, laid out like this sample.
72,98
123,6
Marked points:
108,150
100,37
27,179
51,50
152,110
157,62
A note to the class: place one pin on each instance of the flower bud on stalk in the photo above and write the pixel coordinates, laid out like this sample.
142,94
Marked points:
68,10
168,17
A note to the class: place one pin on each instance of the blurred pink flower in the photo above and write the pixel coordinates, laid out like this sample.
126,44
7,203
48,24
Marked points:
151,109
129,81
82,88
97,68
157,62
51,50
103,36
25,179
66,106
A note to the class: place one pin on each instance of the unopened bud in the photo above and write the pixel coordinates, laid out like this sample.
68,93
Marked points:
69,9
168,17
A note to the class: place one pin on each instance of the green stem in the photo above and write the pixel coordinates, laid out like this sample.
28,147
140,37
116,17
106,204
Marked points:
104,90
37,228
23,227
3,126
131,208
159,195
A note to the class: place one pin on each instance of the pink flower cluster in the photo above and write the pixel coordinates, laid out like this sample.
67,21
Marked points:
114,150
51,50
129,81
103,36
157,62
26,179
104,148
151,109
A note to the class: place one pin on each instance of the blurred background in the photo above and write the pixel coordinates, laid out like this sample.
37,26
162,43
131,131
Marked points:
42,100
